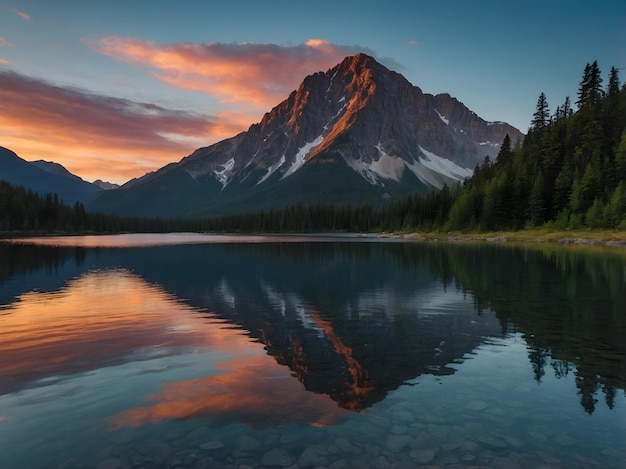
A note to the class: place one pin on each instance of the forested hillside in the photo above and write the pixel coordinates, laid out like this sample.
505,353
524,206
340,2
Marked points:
568,173
23,211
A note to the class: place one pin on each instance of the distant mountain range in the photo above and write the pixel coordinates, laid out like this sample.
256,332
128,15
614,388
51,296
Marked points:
358,133
46,177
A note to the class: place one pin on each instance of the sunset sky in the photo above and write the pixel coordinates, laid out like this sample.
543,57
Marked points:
114,89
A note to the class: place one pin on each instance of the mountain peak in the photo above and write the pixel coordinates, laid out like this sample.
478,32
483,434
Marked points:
359,60
360,65
105,184
358,128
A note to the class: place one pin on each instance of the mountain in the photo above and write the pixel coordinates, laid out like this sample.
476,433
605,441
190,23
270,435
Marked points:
56,168
105,185
358,133
45,177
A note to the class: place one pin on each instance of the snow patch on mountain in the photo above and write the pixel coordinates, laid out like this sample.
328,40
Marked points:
364,170
431,169
491,144
445,121
272,169
436,171
301,156
330,83
387,166
426,175
341,109
222,175
443,166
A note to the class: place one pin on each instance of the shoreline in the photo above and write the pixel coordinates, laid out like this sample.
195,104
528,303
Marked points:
539,236
579,237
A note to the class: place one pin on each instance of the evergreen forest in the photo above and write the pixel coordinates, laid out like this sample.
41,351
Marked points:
569,172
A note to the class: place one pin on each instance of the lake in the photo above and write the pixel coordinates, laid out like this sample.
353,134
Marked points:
212,351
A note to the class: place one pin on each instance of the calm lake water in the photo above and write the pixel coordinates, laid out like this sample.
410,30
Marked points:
199,351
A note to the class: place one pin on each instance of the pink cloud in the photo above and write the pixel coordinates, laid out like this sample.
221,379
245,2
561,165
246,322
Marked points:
100,136
260,75
413,42
25,16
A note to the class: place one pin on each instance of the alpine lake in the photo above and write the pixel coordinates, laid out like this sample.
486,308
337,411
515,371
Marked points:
214,351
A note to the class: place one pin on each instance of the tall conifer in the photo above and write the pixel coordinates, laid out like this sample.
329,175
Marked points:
541,117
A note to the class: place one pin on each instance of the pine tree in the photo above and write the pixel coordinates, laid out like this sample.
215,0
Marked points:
615,209
613,87
536,205
505,154
620,159
590,90
593,217
562,187
584,86
613,122
590,185
541,117
567,108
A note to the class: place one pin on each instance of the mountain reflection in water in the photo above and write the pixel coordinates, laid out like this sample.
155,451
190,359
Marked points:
352,321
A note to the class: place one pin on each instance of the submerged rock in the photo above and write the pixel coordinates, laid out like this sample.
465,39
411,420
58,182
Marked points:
396,443
247,443
423,456
277,457
313,456
210,445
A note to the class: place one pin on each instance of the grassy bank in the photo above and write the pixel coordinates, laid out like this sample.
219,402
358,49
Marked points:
584,237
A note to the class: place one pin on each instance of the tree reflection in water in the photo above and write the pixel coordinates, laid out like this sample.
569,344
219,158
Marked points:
357,320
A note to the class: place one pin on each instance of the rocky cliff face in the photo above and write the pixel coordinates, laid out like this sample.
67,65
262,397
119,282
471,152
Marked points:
358,115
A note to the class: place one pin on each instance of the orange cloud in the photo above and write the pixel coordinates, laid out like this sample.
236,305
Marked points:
261,75
25,16
98,136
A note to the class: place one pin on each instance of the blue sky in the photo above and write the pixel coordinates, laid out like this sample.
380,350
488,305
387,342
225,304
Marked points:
115,89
